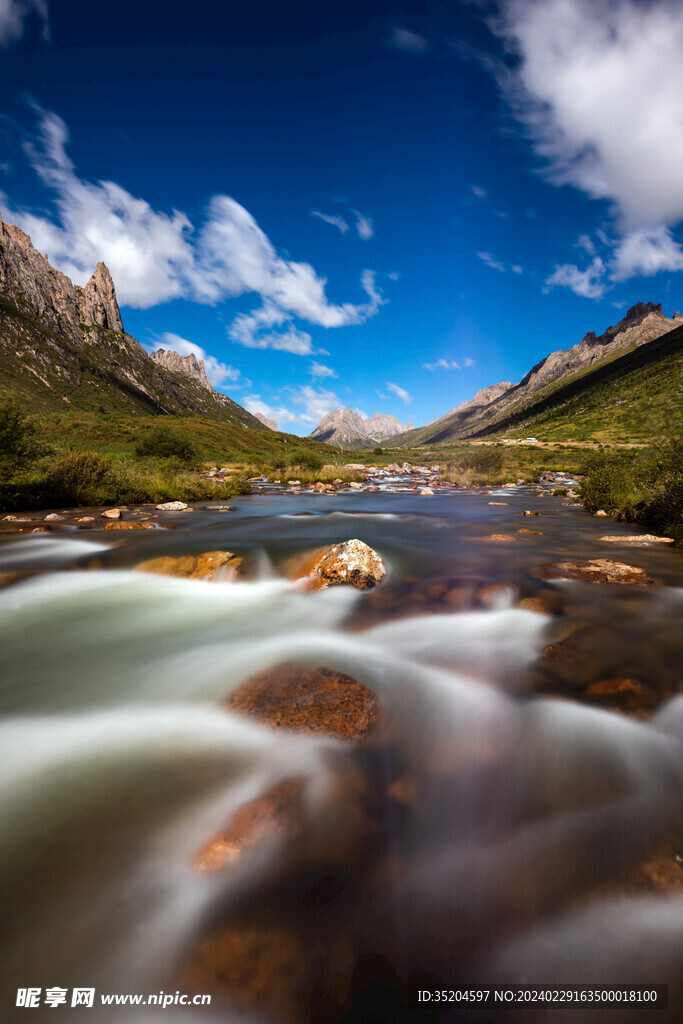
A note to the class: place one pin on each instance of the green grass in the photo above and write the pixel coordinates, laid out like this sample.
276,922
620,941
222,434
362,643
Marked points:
643,487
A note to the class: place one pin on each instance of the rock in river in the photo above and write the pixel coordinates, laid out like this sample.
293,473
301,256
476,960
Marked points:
111,513
196,567
596,570
171,506
307,700
351,563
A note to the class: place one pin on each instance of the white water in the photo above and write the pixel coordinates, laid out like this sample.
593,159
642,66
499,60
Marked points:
117,764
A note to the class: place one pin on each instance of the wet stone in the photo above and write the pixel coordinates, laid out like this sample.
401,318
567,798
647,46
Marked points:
194,567
307,700
596,570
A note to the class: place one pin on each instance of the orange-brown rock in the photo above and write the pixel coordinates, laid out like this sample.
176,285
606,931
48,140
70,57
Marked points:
127,525
528,512
352,563
196,567
277,810
497,595
537,533
259,969
535,604
596,570
307,700
622,695
498,502
499,537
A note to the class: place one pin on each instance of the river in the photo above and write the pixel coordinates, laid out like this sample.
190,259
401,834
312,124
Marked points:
509,822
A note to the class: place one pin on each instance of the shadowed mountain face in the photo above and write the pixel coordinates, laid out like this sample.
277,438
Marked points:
271,424
348,428
63,346
501,403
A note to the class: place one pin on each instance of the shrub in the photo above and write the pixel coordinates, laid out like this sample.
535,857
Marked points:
165,443
19,442
306,459
79,478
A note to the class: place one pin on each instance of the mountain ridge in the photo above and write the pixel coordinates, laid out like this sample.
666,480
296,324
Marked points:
643,323
350,429
63,345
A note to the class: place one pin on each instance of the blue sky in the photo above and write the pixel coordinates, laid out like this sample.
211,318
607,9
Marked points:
365,204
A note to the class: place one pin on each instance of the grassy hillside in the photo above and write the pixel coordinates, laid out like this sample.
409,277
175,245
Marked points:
628,397
47,371
637,397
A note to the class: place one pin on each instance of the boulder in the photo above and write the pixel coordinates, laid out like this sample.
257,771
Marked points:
528,512
355,467
86,519
538,533
601,512
622,694
499,537
596,570
195,567
121,525
355,486
54,515
426,490
498,503
171,506
111,513
351,563
307,700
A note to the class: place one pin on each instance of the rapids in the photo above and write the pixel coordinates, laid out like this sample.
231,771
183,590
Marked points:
119,761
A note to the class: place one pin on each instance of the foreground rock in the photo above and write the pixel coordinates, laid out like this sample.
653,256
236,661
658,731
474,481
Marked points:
596,570
195,567
111,513
352,563
307,700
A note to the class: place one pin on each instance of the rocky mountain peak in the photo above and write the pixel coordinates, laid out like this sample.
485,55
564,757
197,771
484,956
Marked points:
97,301
271,424
188,365
27,276
346,427
643,309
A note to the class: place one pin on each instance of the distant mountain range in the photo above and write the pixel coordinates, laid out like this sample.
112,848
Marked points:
505,405
63,346
351,430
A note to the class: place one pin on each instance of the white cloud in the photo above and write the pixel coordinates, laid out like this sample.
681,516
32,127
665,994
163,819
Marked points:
399,392
468,362
394,275
586,243
647,253
478,191
218,373
337,222
316,403
488,259
516,269
442,364
365,227
154,256
409,42
13,16
254,404
588,283
597,83
319,370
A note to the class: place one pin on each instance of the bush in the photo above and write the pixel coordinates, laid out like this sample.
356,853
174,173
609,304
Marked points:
79,478
647,489
19,442
306,459
165,443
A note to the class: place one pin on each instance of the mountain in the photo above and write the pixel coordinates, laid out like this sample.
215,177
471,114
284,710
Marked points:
188,365
500,404
271,424
383,425
63,346
348,428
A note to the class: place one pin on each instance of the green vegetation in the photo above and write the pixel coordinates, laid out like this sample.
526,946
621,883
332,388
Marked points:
644,487
84,458
165,443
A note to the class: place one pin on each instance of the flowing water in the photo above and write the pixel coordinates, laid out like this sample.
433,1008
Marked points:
497,828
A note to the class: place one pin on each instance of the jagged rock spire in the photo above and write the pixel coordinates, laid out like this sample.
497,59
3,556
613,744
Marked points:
97,301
